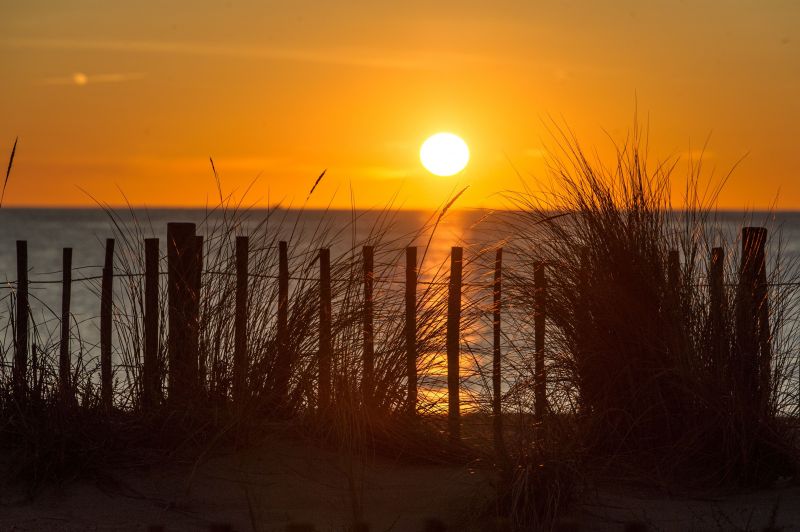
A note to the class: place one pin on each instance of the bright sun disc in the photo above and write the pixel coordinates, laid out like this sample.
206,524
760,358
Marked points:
444,154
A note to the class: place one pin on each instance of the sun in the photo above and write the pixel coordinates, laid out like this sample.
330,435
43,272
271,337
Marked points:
444,154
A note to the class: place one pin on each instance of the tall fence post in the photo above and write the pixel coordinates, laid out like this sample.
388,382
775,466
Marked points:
716,284
411,328
202,352
151,378
183,313
497,405
240,362
283,359
64,370
20,370
673,300
540,375
325,340
453,343
752,320
367,384
106,324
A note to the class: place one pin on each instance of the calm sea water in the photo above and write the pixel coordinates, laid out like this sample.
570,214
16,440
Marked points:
47,231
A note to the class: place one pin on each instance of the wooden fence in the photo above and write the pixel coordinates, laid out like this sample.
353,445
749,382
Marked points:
184,270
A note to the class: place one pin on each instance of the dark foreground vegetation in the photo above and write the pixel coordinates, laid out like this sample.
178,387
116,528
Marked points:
637,343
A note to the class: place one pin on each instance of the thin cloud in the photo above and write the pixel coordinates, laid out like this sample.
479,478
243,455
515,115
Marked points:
371,58
80,79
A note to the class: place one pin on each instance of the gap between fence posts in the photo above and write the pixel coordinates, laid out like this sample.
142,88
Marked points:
151,376
453,343
106,325
64,369
283,357
325,343
411,328
674,272
183,314
540,375
367,384
240,361
20,368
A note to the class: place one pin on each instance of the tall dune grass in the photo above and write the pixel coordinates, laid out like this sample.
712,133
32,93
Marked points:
629,352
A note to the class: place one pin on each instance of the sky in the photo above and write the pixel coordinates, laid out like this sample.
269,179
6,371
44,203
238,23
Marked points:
126,101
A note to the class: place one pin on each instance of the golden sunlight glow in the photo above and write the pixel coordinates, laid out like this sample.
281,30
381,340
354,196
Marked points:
444,154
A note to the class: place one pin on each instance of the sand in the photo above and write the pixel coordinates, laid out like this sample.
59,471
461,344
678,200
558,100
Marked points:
281,481
286,480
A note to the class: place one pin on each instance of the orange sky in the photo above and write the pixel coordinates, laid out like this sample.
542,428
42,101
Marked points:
107,97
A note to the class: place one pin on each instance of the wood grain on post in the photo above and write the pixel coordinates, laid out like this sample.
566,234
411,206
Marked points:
325,336
36,372
497,404
106,325
411,328
752,295
453,343
540,375
20,369
716,293
64,360
182,345
367,384
202,352
240,361
151,378
283,359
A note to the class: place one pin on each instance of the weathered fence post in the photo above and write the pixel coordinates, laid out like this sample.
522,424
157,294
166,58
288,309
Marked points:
151,378
64,374
764,330
183,313
673,300
497,403
202,352
453,343
716,292
752,320
106,324
367,384
240,362
20,370
411,328
540,375
325,343
283,359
